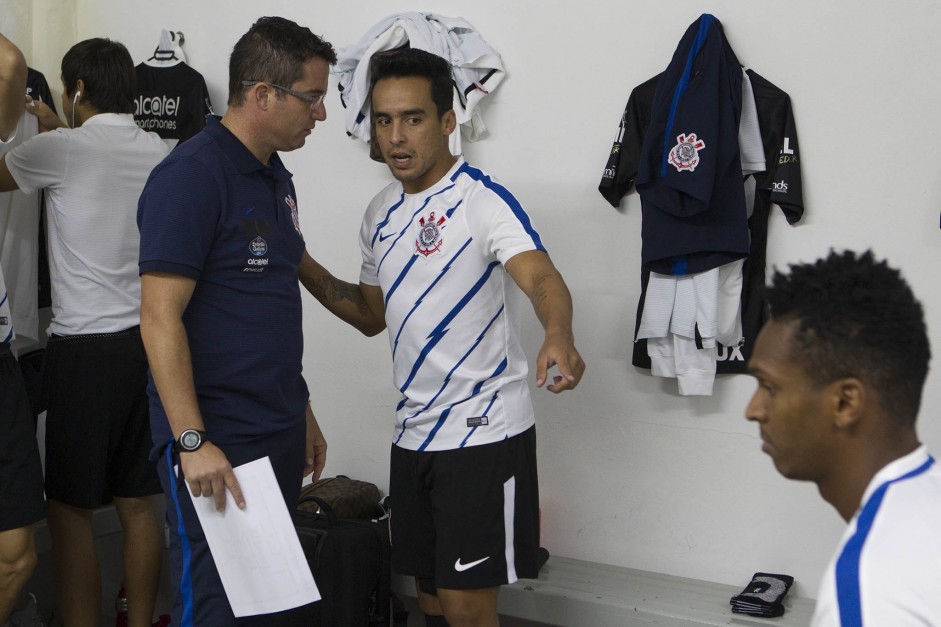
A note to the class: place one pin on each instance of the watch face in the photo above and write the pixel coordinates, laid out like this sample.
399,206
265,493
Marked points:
190,440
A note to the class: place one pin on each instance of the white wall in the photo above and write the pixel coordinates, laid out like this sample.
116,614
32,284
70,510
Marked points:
632,474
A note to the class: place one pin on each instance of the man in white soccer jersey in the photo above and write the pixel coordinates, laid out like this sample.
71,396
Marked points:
95,370
437,246
840,368
21,498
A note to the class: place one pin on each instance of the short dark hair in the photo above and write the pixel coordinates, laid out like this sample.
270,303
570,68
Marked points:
856,317
407,62
274,50
107,71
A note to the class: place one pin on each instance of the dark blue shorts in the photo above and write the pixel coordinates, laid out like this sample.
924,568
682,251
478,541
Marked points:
199,598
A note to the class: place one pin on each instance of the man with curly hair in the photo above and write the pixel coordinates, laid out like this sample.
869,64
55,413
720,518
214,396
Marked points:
840,368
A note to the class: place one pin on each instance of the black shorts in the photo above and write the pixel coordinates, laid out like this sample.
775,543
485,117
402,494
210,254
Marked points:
21,499
467,518
97,421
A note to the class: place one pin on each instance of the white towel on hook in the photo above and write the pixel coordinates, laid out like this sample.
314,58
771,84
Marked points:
476,67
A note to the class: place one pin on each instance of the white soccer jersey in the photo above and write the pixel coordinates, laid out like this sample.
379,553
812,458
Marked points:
438,257
887,571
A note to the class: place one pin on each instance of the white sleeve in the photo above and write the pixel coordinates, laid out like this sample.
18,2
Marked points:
40,162
500,224
751,149
369,271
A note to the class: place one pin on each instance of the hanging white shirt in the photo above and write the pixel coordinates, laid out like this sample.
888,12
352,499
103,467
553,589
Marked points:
476,67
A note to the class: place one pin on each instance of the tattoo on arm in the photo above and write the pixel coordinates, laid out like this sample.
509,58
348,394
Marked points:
540,293
331,290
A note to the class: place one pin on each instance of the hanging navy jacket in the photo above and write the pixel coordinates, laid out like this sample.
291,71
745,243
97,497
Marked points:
690,176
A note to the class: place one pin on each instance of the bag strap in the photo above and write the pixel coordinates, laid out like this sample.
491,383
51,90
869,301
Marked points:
323,505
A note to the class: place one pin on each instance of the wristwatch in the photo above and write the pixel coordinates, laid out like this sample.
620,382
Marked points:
190,440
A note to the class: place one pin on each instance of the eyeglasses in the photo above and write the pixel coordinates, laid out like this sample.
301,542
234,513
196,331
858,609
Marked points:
314,101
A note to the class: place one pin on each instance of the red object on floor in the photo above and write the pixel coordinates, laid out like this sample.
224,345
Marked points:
120,608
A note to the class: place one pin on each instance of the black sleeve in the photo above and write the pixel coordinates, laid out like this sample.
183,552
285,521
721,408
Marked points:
200,107
624,159
621,168
786,189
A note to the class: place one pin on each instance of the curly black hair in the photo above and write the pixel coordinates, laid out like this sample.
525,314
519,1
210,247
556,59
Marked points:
856,317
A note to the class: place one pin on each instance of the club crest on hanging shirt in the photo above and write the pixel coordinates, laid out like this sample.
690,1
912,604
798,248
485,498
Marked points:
685,155
429,239
289,201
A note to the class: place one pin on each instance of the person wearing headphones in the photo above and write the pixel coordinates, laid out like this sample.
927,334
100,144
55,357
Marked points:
95,370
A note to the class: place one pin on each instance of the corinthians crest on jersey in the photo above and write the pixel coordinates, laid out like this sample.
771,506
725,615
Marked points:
429,240
685,155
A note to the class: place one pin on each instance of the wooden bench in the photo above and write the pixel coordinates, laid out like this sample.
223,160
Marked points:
576,593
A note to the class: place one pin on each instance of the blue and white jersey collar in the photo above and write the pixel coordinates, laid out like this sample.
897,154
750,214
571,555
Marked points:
895,469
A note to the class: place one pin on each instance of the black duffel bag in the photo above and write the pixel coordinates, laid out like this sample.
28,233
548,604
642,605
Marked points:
350,561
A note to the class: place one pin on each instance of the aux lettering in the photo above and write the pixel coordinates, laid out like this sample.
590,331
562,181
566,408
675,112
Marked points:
729,353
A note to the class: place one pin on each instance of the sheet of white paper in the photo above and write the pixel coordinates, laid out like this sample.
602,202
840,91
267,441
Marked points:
256,550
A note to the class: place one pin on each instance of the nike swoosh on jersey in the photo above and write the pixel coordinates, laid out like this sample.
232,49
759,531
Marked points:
459,567
384,237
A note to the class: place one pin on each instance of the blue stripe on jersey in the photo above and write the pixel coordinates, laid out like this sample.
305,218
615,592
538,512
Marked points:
418,302
439,331
446,412
680,266
477,387
451,211
848,593
382,223
493,399
704,25
504,195
447,378
434,430
400,278
496,373
186,577
407,225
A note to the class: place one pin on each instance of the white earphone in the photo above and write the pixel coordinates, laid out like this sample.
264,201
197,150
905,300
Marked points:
74,102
